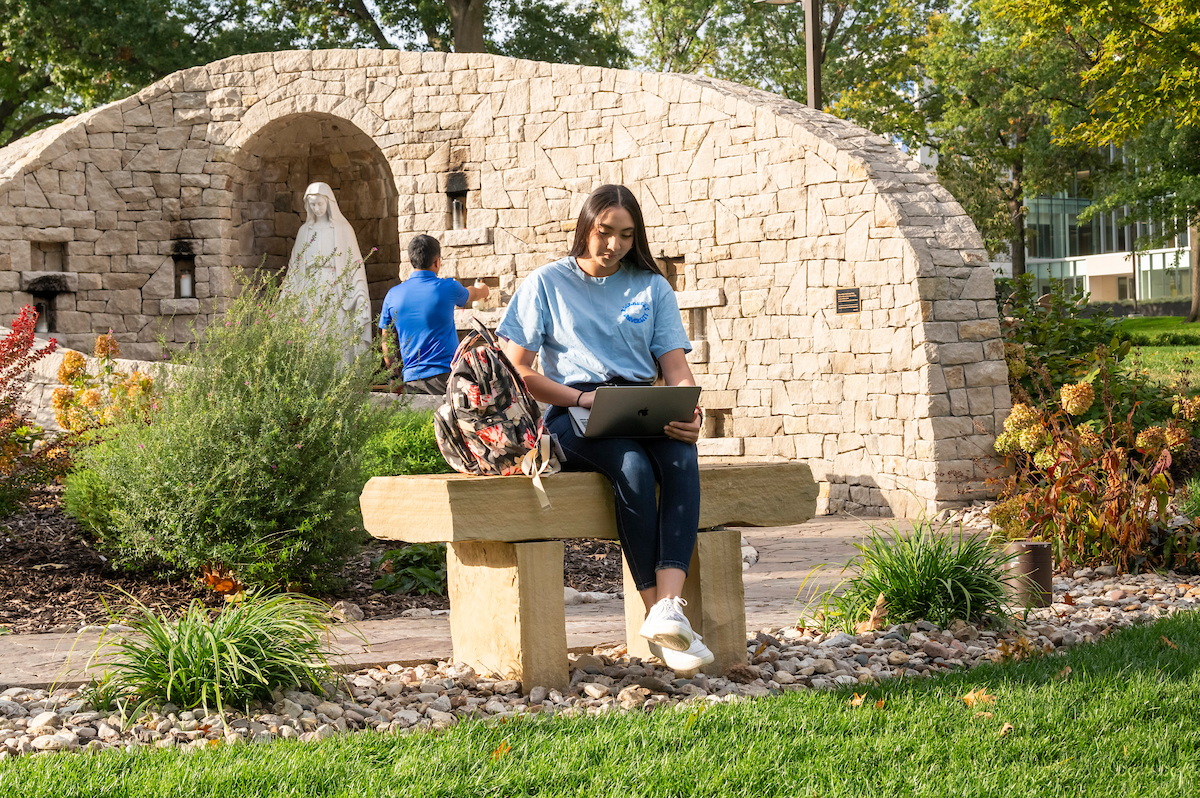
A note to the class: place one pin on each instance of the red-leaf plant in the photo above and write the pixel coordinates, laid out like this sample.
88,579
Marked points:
21,466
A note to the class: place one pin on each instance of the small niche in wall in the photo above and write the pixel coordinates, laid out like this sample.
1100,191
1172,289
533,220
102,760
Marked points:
44,305
672,269
456,201
718,423
185,270
48,256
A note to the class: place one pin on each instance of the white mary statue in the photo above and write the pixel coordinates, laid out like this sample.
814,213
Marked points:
324,251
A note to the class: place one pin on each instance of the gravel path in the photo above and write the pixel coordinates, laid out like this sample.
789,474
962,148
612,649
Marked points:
1088,604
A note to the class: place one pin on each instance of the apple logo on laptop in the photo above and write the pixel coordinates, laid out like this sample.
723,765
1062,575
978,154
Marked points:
645,411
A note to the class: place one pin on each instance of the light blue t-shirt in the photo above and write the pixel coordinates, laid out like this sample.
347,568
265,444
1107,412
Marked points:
592,329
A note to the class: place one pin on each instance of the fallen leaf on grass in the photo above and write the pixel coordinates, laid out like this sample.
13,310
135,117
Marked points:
879,704
978,696
1169,643
982,715
1005,729
501,750
857,700
1064,673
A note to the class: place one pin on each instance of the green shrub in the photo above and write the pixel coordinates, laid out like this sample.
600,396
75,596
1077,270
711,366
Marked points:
237,655
419,568
87,499
403,444
252,462
1058,343
926,574
1058,334
1162,338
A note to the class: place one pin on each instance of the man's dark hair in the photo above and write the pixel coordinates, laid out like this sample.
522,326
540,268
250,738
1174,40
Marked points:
423,251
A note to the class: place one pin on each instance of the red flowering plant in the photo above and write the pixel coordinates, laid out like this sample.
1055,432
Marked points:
25,458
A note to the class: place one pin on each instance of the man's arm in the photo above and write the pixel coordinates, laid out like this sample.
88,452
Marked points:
476,293
391,345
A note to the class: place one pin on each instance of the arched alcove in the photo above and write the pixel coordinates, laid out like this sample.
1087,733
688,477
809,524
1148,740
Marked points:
278,162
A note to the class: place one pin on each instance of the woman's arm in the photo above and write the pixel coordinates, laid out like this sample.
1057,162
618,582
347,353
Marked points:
677,372
543,388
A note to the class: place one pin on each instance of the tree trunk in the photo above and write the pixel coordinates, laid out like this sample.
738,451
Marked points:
466,19
1194,259
1016,209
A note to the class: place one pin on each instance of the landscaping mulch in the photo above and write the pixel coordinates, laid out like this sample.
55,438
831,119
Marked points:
53,580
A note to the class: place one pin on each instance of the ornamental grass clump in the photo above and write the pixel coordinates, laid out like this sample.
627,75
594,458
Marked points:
222,658
929,574
252,464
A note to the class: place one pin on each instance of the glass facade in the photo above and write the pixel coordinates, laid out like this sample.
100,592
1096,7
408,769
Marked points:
1059,246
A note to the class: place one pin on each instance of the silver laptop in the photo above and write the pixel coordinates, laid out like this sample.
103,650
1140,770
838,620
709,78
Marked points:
634,411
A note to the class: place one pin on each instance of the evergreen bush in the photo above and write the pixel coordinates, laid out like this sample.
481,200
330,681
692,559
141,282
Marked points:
403,444
252,462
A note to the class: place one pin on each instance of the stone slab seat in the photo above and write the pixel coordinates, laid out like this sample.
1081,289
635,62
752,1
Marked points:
505,556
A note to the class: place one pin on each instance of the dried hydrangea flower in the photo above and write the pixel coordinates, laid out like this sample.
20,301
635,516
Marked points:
1021,417
107,346
73,365
1077,399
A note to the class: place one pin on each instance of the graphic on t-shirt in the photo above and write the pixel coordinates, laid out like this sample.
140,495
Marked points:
636,312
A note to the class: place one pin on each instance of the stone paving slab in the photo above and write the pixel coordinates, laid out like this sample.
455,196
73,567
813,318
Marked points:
775,596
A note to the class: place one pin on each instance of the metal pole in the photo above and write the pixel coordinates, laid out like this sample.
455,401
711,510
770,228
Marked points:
812,51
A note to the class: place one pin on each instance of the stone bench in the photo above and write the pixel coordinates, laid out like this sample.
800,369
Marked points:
505,556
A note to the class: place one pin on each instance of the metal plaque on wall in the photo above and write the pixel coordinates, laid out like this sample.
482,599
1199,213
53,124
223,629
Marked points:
848,300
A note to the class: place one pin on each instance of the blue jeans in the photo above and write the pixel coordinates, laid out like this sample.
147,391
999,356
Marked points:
656,531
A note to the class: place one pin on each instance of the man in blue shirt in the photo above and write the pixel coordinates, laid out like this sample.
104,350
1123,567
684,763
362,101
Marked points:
422,310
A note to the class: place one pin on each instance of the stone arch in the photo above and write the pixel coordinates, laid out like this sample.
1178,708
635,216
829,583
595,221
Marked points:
278,160
764,211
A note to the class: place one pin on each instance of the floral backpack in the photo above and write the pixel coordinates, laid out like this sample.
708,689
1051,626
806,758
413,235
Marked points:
490,424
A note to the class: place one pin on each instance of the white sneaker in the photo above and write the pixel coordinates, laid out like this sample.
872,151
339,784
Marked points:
696,656
667,625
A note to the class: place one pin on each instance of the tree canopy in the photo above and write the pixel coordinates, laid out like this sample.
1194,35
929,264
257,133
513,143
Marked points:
62,57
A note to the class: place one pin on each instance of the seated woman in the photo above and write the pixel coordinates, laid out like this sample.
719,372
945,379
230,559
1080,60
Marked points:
603,315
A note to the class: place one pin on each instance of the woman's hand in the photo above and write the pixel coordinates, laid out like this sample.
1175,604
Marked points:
686,431
586,398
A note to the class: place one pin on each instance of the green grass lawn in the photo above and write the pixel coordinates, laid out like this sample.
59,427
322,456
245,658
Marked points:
1156,324
1123,721
1167,365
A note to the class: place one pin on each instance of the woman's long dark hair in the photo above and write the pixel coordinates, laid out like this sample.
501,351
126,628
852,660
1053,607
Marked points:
597,203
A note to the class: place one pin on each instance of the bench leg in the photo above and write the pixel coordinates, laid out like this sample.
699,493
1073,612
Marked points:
716,600
506,610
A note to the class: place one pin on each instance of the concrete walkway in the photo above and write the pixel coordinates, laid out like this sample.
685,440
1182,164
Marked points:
776,592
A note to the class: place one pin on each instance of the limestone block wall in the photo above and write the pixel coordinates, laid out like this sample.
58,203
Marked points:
759,209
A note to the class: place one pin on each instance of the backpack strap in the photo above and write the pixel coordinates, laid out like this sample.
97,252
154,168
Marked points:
536,462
